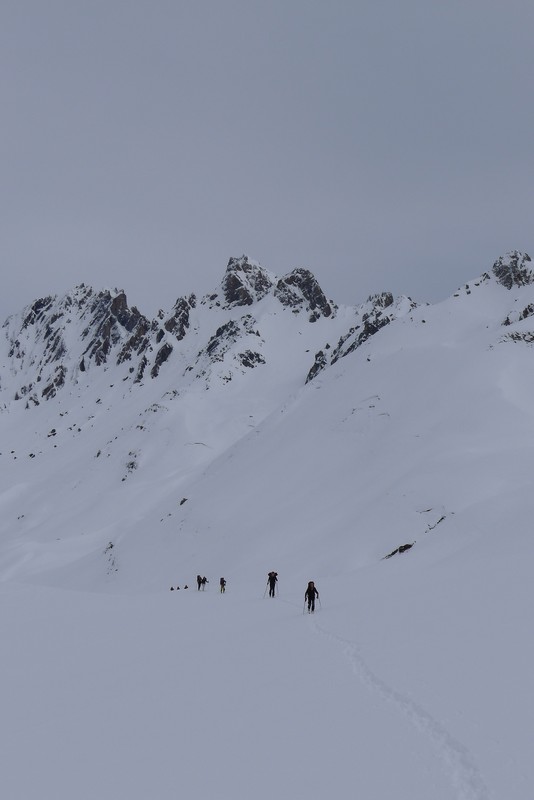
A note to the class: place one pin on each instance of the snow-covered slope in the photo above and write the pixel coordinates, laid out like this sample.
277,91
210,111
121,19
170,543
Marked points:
335,442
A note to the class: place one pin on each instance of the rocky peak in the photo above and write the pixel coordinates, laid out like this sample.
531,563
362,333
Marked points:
58,336
110,321
380,301
245,282
513,269
300,290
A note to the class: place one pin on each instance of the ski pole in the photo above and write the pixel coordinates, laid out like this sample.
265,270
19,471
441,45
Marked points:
266,585
304,606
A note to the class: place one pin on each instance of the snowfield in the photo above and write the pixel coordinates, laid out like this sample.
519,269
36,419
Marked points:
412,679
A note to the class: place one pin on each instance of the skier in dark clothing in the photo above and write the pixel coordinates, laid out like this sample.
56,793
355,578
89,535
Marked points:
310,594
222,584
272,578
199,582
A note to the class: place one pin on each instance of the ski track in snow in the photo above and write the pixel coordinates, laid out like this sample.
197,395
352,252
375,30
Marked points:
459,763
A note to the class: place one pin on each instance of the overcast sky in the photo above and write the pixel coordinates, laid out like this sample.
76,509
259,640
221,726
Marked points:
383,144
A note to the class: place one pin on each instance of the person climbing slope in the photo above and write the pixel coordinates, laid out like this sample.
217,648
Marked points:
310,594
272,579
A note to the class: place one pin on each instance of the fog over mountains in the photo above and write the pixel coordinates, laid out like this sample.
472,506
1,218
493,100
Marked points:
384,450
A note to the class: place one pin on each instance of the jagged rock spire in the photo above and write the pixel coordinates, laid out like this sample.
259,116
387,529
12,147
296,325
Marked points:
245,282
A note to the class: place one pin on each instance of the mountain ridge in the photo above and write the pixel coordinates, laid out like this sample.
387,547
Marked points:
106,330
148,444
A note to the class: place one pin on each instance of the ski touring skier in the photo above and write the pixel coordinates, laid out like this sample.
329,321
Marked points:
222,584
272,579
310,594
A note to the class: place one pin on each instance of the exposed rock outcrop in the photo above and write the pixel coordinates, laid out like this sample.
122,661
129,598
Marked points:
378,311
178,323
513,269
245,282
300,290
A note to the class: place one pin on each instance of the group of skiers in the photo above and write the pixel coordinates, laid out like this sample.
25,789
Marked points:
201,582
310,594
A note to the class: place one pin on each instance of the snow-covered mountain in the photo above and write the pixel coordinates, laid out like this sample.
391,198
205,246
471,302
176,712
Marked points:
384,450
252,319
95,388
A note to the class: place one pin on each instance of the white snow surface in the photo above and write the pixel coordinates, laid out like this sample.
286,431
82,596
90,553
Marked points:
413,678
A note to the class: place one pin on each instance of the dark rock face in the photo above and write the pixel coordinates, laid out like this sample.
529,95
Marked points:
373,318
300,290
178,323
233,349
245,283
127,318
528,311
513,269
319,364
110,319
527,337
56,383
229,334
143,363
372,322
402,549
251,359
515,316
162,356
223,337
138,342
48,326
37,311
